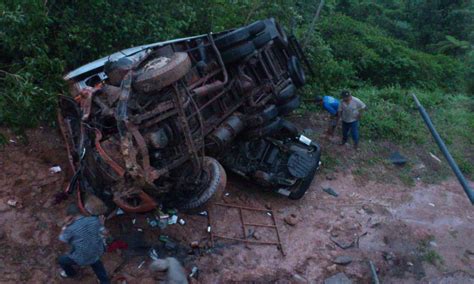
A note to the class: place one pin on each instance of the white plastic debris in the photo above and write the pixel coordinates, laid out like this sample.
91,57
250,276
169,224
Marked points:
119,212
153,254
203,213
134,221
410,264
12,141
434,157
226,194
208,229
269,214
140,229
141,264
182,222
172,220
431,204
12,202
55,169
305,140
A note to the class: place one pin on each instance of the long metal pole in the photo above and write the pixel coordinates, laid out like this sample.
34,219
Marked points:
373,271
444,150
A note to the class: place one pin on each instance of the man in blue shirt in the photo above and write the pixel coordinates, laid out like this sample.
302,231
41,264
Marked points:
331,105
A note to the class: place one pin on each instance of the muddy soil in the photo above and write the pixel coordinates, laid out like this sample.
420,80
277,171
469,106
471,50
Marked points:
419,234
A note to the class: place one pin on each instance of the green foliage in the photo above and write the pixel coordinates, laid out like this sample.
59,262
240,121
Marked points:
355,44
383,61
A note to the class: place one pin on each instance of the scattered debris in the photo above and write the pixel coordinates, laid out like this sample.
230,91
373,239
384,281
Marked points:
388,255
332,268
299,279
330,176
194,272
431,204
194,244
153,254
436,158
203,213
208,229
342,260
343,243
117,244
55,169
339,278
409,263
173,220
12,202
291,220
141,264
119,212
397,159
433,244
182,222
367,209
330,191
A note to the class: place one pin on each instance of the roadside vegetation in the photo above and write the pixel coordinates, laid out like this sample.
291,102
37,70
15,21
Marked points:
382,50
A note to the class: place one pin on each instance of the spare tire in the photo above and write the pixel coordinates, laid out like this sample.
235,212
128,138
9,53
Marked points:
296,71
217,180
161,72
238,52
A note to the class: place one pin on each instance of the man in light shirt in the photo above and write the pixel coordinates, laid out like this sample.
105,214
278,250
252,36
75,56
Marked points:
350,110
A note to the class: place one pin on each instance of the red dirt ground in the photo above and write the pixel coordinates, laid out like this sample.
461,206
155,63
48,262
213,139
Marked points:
413,225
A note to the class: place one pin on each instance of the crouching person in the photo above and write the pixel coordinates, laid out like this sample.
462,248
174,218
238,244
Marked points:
174,271
86,237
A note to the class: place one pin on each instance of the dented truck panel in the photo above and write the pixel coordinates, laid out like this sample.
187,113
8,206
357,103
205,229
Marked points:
162,123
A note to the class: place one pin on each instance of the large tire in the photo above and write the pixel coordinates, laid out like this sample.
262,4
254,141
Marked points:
269,113
161,72
256,27
289,106
304,185
296,72
232,38
262,39
285,94
217,182
239,52
266,130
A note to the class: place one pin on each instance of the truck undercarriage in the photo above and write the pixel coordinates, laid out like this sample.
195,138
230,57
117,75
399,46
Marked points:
162,123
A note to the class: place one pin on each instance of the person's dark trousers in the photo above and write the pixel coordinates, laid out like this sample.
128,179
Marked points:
66,263
353,128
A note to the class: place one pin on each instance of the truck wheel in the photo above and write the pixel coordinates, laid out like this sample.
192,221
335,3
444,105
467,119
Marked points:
269,113
256,27
238,52
266,130
285,94
296,72
262,39
289,106
216,178
161,72
232,38
304,185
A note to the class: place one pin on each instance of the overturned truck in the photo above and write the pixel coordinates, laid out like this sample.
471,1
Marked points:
162,123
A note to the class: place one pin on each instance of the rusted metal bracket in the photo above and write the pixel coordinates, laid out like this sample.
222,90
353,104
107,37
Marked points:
245,225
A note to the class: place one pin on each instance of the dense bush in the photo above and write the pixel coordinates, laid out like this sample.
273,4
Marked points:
41,40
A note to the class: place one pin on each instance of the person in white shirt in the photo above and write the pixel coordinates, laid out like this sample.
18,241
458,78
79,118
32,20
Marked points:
350,110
